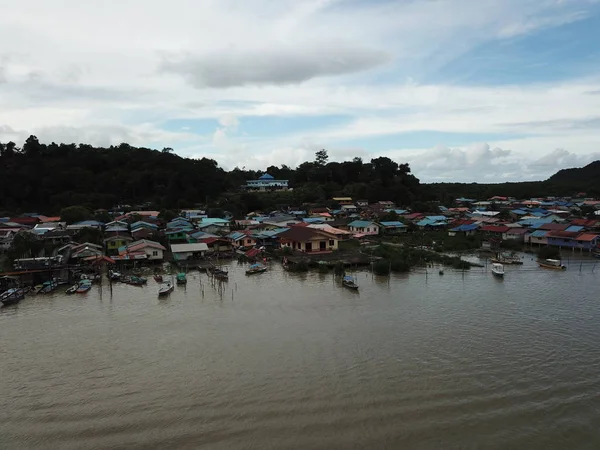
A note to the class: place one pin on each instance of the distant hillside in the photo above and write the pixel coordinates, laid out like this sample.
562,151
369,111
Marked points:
586,179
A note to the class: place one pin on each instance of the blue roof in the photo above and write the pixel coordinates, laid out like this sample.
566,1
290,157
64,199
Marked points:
437,218
91,223
178,230
215,220
141,223
462,199
360,223
431,223
397,211
266,176
534,223
539,233
519,212
393,224
313,220
297,213
469,227
575,228
116,228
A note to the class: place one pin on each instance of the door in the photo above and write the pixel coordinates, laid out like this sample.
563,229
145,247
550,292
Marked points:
309,247
322,246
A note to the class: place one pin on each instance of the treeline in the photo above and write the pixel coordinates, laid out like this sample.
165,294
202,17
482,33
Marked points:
46,178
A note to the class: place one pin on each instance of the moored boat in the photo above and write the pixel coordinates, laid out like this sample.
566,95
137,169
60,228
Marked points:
554,264
181,278
134,280
114,275
158,278
256,268
165,288
502,258
218,273
498,270
12,296
84,286
349,282
48,287
72,289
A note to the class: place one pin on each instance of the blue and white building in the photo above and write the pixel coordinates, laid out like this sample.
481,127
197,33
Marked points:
266,183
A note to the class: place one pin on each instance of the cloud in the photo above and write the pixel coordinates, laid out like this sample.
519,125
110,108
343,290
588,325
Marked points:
280,65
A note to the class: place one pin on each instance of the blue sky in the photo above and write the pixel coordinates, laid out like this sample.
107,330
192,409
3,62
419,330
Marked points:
463,90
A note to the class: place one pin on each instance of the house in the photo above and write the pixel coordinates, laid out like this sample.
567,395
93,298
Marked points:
194,214
115,230
573,240
213,228
363,228
588,241
338,233
57,236
464,230
25,220
144,233
94,224
494,231
241,239
6,238
217,245
44,227
142,249
183,252
393,227
362,203
539,237
515,234
266,183
348,209
343,201
180,222
222,224
177,234
280,221
85,250
308,240
113,243
433,222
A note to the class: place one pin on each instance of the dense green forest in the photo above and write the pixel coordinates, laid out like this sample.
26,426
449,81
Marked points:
46,178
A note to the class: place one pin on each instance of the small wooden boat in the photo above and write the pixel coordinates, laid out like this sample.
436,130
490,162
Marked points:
134,280
181,278
48,287
498,270
501,258
84,286
72,289
217,273
165,289
349,282
256,268
554,264
158,278
12,296
441,272
94,277
114,275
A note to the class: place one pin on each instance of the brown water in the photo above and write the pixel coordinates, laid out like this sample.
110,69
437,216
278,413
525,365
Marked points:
283,361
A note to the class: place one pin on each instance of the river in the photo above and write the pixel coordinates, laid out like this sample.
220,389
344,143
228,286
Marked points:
295,361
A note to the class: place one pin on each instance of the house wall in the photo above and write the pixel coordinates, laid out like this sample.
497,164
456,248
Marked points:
330,245
538,240
571,243
154,254
245,242
513,237
370,230
395,230
114,245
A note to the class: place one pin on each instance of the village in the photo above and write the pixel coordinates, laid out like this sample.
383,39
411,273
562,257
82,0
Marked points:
141,238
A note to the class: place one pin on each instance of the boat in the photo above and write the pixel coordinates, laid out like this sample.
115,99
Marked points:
72,289
158,278
441,272
84,286
134,280
114,275
596,253
165,288
256,268
217,273
554,264
349,282
498,269
181,278
12,296
94,278
48,287
501,258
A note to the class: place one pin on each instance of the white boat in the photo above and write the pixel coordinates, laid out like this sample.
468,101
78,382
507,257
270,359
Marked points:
554,264
498,269
165,288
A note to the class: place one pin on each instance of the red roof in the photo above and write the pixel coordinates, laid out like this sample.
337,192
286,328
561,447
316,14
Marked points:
554,227
517,231
587,237
252,252
584,222
495,229
563,234
300,234
414,216
25,220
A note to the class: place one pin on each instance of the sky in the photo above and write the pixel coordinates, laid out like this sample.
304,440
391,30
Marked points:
463,90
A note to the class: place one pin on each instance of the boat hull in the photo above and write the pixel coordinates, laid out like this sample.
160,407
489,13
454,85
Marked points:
498,274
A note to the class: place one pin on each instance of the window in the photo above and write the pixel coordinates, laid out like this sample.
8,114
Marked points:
331,242
154,253
248,241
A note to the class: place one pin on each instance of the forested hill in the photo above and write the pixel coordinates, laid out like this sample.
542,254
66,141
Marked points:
45,178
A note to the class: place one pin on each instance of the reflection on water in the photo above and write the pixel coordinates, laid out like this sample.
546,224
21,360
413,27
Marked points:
284,360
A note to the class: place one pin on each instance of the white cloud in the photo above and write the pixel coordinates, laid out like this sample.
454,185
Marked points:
226,60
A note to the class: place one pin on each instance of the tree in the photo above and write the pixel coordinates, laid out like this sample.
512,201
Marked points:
167,215
167,150
321,157
24,245
72,214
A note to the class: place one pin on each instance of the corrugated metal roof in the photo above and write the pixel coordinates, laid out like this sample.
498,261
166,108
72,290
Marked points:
393,224
361,223
539,233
